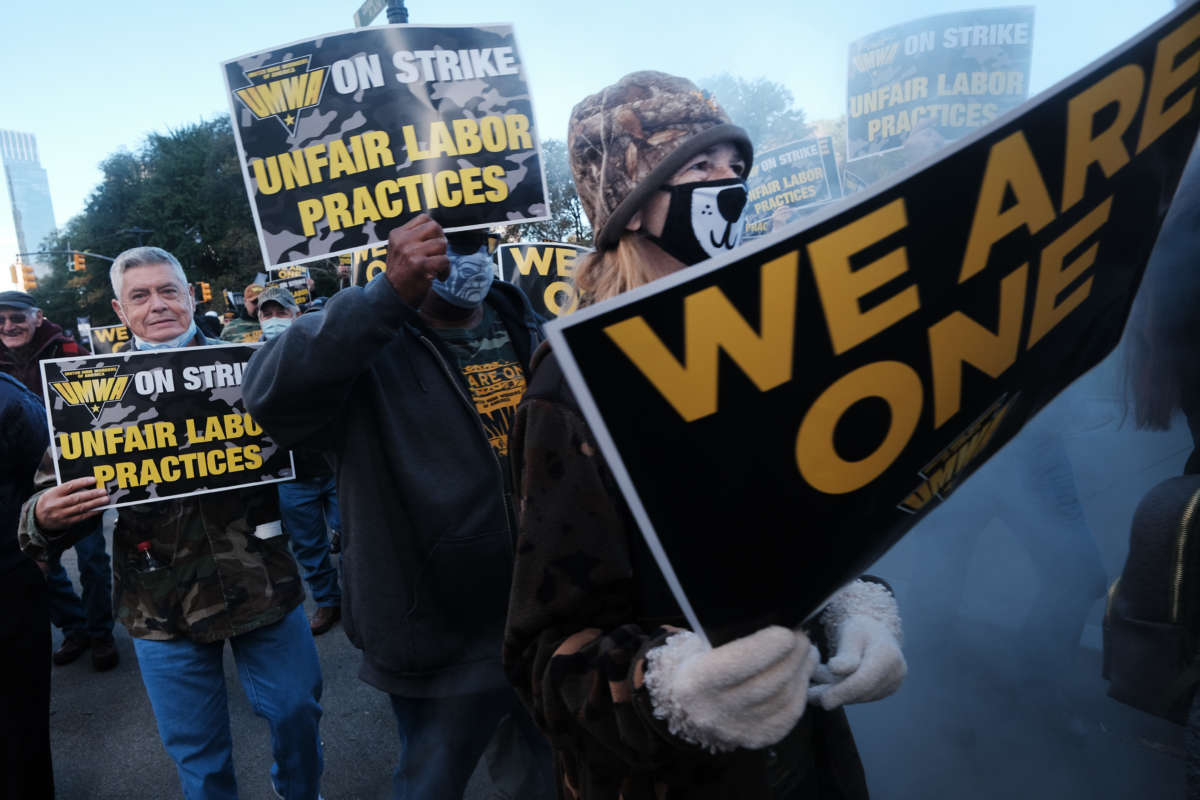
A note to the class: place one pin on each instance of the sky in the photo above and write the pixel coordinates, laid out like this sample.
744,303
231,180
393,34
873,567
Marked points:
89,79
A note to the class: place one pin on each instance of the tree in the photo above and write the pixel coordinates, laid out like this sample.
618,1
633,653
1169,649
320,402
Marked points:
186,187
567,218
765,109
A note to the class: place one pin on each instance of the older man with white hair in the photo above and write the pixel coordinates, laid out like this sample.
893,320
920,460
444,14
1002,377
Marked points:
221,572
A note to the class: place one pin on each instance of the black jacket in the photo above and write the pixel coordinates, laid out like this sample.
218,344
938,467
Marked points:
427,541
23,439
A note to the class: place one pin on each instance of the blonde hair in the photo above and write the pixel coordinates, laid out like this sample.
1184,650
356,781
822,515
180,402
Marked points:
607,273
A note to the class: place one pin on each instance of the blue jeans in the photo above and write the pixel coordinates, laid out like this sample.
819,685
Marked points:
281,677
442,738
307,506
94,616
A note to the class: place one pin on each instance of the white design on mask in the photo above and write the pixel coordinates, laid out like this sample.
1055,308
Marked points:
717,217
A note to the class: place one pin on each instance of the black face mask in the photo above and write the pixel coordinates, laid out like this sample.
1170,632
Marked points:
704,219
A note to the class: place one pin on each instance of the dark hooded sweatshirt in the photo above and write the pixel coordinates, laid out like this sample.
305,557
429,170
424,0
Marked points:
427,545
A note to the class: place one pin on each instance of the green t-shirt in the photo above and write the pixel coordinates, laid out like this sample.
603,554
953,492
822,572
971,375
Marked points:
489,362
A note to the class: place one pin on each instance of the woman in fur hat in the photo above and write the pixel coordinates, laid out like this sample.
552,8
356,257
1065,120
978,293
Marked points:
634,706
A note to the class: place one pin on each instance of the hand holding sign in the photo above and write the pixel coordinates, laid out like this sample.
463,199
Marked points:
416,255
69,504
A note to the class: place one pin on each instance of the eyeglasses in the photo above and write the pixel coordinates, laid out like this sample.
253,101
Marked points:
19,318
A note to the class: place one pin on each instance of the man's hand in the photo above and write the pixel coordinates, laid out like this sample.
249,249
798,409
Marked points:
416,254
69,503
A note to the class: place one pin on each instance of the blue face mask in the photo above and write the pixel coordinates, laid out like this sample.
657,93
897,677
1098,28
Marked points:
469,280
275,326
179,341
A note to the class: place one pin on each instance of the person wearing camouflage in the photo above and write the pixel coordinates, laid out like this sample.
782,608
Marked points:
244,327
221,571
635,706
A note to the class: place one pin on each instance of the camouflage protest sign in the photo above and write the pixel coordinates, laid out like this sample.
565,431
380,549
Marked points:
800,174
293,278
344,137
778,417
936,78
151,425
109,338
545,271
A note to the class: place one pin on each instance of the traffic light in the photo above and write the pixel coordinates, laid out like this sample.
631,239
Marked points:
205,291
28,278
77,262
13,270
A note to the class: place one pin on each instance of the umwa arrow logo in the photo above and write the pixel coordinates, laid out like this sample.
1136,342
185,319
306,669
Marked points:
283,90
92,388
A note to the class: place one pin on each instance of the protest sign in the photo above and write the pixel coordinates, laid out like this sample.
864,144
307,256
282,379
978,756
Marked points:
295,280
151,425
778,417
344,137
793,176
936,79
108,339
545,271
367,263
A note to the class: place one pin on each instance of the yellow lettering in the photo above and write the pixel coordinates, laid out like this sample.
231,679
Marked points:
958,340
1123,87
517,128
841,288
1165,78
1010,163
711,323
527,258
311,211
817,458
104,473
1054,277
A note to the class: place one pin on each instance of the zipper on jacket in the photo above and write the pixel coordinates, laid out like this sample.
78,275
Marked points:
1108,604
1180,547
486,442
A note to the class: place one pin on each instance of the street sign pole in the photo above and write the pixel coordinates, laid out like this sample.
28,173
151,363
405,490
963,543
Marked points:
367,12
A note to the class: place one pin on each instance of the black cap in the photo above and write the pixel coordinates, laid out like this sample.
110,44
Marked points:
17,299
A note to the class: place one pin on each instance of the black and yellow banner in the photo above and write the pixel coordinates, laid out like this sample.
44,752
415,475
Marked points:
344,137
545,271
294,279
109,339
151,425
367,263
780,417
787,181
936,79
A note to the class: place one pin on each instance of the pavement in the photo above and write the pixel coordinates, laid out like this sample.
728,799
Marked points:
106,745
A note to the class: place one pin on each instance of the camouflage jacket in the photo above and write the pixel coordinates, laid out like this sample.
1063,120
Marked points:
226,565
241,329
588,602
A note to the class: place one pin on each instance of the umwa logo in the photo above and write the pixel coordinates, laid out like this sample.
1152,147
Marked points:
92,388
940,476
283,90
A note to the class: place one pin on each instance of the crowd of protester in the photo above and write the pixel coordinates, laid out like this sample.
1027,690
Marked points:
490,571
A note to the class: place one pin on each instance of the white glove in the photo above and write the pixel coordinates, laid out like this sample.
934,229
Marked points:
863,621
746,693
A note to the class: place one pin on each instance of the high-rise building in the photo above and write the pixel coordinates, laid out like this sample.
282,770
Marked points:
28,189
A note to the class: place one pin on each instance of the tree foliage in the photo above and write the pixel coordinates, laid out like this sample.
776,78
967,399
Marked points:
186,187
766,110
567,221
